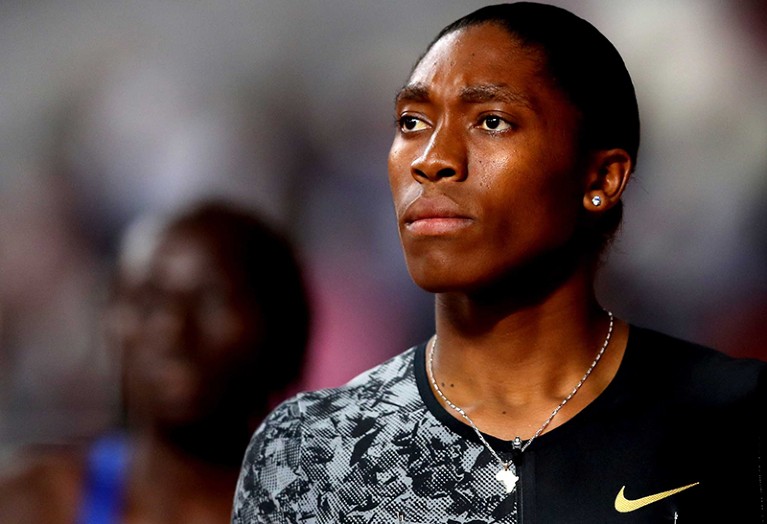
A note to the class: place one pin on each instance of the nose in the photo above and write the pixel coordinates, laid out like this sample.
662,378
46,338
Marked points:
174,320
443,156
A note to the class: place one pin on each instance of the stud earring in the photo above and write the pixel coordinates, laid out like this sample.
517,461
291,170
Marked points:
596,200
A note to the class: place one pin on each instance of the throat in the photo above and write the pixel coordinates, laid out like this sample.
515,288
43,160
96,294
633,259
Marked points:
506,411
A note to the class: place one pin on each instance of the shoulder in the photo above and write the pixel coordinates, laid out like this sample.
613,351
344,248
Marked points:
42,484
698,371
310,431
390,384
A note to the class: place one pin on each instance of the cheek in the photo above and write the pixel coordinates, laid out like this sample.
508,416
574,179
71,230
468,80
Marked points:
404,188
229,342
397,167
224,328
527,200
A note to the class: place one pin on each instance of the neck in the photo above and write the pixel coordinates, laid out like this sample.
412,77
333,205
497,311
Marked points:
509,362
167,485
158,458
514,327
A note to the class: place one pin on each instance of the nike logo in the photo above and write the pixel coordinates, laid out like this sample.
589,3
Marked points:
624,505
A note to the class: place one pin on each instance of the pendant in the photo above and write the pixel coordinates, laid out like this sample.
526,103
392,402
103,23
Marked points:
507,477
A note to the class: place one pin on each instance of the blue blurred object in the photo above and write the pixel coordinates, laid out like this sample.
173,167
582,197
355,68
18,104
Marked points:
105,477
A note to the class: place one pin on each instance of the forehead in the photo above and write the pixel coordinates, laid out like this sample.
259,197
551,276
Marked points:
187,258
479,54
182,258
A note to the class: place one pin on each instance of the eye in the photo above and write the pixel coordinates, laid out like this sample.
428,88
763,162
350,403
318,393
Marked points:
410,124
494,123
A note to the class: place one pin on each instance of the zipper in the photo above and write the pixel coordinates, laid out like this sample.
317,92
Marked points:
525,493
520,507
759,456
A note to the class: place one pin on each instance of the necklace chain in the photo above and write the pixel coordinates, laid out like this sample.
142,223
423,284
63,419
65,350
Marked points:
517,441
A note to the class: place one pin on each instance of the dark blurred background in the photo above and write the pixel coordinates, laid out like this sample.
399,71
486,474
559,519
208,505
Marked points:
111,111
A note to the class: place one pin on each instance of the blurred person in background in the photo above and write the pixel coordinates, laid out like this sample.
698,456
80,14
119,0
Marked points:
210,316
517,133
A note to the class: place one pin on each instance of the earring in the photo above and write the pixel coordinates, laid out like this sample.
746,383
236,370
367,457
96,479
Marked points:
596,200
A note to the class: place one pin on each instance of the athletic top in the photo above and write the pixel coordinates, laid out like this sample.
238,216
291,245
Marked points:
104,487
677,436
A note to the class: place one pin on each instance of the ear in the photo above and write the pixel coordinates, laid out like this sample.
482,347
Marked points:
606,178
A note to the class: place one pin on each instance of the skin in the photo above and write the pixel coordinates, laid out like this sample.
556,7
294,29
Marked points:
492,196
187,332
184,376
199,331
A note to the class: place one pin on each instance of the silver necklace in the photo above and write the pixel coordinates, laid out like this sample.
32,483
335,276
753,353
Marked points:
505,475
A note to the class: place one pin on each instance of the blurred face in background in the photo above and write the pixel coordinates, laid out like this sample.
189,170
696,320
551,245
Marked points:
198,333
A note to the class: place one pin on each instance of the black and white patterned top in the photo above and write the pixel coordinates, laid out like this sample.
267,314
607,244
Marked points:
679,435
368,452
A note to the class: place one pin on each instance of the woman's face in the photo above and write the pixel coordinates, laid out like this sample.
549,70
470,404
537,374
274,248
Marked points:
484,167
198,333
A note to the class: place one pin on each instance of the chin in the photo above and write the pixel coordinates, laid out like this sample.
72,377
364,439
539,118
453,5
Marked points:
458,269
435,281
171,416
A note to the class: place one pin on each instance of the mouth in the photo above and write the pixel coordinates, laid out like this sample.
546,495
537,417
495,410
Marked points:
434,217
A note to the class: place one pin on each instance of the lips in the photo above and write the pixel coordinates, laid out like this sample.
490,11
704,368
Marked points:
435,216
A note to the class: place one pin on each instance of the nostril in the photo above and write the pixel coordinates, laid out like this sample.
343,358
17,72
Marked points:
435,174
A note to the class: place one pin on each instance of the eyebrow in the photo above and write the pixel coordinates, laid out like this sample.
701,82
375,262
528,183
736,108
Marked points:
494,93
475,94
413,93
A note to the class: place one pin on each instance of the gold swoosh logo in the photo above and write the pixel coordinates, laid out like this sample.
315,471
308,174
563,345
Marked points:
624,505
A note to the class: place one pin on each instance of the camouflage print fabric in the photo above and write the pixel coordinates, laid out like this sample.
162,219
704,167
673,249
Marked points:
368,452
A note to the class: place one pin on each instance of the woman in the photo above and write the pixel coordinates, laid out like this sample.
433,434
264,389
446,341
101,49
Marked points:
212,325
517,134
